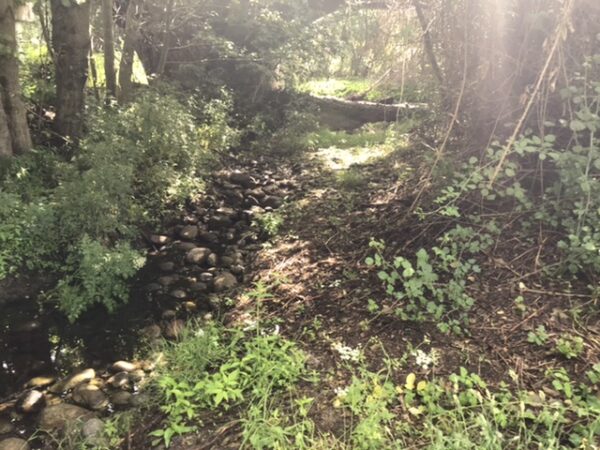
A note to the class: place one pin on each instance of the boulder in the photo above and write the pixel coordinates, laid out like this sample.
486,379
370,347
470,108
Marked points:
31,402
82,377
225,281
14,444
90,396
59,417
189,232
92,432
198,255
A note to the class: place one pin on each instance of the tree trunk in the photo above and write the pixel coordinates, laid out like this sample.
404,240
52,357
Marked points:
428,43
14,112
166,41
5,139
71,42
127,55
109,49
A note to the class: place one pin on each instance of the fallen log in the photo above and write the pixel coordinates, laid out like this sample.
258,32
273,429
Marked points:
341,114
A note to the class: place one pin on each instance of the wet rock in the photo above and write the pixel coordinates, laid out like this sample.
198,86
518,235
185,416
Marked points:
206,277
90,396
152,332
82,377
228,212
174,329
167,266
210,237
168,280
271,201
168,314
198,255
40,382
219,222
123,366
189,232
14,444
212,260
6,426
137,375
198,287
59,417
185,246
178,294
159,239
92,431
121,398
238,269
119,380
190,307
257,193
242,179
31,402
227,261
225,281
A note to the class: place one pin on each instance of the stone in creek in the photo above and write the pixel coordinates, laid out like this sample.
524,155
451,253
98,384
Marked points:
198,255
92,431
121,398
225,281
185,246
190,307
90,396
227,261
174,329
271,201
238,269
226,211
119,380
137,375
257,193
159,239
198,287
59,417
206,277
123,366
219,222
189,232
82,377
6,426
179,294
14,444
212,260
168,314
40,382
31,402
168,280
242,179
210,236
167,266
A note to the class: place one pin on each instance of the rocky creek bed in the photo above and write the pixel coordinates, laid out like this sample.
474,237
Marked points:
54,376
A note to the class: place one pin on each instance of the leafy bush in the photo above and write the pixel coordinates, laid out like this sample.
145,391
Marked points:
80,218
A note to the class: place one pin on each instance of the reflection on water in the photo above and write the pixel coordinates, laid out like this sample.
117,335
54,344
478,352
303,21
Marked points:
36,340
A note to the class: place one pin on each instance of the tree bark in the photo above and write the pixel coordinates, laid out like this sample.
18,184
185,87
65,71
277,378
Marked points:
71,42
127,55
14,112
5,139
428,43
109,49
166,42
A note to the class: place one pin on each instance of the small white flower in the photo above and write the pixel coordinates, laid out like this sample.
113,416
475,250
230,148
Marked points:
199,332
347,353
340,392
422,359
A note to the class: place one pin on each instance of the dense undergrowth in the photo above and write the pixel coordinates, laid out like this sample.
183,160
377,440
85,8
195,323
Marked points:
81,217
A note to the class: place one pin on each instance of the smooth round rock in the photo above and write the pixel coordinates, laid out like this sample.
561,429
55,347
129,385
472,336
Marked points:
6,426
178,294
189,232
123,366
121,398
119,380
151,332
59,417
197,255
90,396
92,431
159,239
31,402
206,277
40,382
174,329
14,444
225,281
167,266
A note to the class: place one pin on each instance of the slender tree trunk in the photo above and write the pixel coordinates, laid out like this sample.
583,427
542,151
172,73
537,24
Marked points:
71,42
166,41
109,49
127,55
428,43
5,139
14,112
